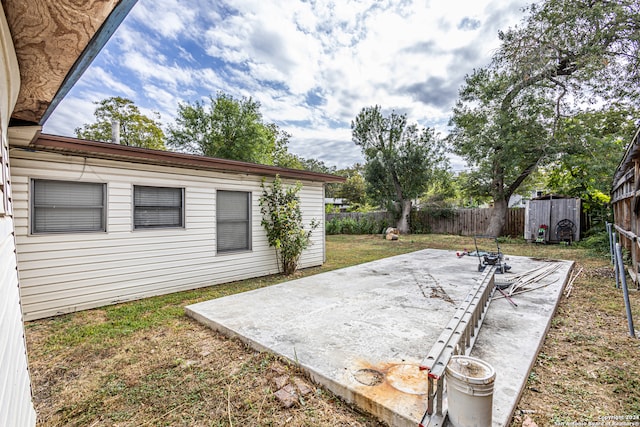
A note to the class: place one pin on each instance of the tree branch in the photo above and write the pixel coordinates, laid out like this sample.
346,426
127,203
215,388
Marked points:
523,175
566,67
557,115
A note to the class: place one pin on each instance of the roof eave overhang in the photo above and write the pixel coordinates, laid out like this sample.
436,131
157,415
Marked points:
109,151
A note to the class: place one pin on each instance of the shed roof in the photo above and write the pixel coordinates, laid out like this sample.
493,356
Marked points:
110,151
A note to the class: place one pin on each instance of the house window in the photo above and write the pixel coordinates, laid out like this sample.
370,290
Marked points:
233,220
158,207
67,206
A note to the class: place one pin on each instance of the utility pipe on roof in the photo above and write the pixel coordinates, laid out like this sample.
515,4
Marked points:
115,131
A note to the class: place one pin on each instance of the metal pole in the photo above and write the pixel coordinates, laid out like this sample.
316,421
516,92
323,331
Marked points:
625,291
615,259
609,227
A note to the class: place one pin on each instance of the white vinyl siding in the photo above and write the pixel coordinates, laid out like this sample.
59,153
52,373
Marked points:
67,207
16,406
61,273
158,207
233,218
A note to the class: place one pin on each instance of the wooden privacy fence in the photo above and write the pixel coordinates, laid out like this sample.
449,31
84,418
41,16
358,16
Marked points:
462,222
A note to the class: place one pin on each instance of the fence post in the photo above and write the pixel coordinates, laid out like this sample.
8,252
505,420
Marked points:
625,290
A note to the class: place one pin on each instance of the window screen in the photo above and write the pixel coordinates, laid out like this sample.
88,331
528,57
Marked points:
67,206
157,207
233,220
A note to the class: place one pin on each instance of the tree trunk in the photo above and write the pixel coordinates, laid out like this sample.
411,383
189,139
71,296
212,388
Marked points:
403,222
498,218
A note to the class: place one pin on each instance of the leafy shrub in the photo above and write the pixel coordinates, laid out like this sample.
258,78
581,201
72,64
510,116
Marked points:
597,243
282,220
360,225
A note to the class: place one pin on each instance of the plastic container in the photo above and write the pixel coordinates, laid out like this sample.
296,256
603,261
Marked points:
469,391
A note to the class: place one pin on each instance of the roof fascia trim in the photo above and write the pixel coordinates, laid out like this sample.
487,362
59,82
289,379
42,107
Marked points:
97,42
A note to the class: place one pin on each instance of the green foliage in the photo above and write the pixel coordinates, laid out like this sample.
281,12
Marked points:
353,190
228,128
565,56
361,225
420,219
362,208
597,243
402,160
596,141
315,165
282,220
136,129
330,208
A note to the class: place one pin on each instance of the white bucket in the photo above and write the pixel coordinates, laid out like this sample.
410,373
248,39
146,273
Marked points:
469,391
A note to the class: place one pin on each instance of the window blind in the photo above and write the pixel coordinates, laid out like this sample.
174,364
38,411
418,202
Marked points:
233,220
157,207
67,206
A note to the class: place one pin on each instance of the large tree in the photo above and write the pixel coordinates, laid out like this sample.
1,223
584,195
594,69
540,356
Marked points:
136,129
564,57
596,141
228,128
401,158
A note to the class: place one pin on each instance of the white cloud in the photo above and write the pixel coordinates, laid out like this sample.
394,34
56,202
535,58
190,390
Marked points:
73,112
98,77
169,18
312,64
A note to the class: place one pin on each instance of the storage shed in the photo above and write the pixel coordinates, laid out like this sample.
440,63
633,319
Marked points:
552,219
625,199
99,223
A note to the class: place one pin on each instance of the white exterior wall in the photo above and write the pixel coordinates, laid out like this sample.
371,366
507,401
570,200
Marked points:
16,407
66,272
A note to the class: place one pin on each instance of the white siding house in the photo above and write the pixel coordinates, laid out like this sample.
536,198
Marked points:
16,408
160,222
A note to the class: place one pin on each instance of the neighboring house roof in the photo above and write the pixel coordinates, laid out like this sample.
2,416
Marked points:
55,41
110,151
334,201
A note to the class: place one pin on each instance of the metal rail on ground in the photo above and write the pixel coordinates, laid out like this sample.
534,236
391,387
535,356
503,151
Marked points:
457,338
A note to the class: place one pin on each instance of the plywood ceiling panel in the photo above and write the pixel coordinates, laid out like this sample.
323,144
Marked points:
49,36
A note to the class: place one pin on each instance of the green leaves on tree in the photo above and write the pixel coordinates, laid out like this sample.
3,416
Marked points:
567,57
229,128
136,129
402,159
282,220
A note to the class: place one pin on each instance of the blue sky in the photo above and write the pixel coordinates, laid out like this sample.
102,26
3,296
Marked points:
313,65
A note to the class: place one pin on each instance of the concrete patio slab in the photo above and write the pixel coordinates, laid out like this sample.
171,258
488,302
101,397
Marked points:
362,331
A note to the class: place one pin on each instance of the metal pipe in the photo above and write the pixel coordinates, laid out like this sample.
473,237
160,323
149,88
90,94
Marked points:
615,263
611,246
625,290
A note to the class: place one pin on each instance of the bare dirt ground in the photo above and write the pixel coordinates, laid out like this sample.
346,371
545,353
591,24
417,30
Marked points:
146,364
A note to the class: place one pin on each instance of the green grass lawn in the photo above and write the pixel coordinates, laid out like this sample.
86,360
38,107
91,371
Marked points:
146,363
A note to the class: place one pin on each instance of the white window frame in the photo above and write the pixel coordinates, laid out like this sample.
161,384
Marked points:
37,208
158,226
220,224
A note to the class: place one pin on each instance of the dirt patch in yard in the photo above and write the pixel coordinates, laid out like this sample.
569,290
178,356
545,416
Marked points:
180,373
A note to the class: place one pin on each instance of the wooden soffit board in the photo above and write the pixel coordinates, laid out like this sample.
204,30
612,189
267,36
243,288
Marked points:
49,37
